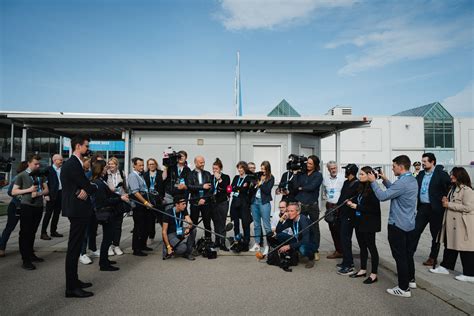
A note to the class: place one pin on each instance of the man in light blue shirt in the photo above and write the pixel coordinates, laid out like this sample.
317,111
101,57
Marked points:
403,195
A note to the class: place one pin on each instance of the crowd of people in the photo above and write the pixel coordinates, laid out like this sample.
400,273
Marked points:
92,192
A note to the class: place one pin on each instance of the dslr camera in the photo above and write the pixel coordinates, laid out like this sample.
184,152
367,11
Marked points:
377,171
39,173
296,163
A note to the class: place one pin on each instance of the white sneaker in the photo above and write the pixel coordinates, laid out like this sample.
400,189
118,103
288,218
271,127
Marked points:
396,291
150,241
440,270
84,259
464,278
265,250
412,284
118,251
111,251
95,254
255,248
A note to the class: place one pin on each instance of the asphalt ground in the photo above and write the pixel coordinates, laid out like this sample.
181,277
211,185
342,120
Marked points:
227,285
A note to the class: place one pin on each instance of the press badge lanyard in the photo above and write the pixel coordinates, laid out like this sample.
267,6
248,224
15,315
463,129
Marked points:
39,183
181,181
296,228
408,174
216,182
179,229
152,181
359,199
426,184
239,183
288,179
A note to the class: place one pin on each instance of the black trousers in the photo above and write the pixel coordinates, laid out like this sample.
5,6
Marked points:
219,217
467,259
151,224
403,245
139,228
205,212
77,233
30,218
53,209
347,228
117,231
312,210
240,210
424,216
335,228
107,236
367,243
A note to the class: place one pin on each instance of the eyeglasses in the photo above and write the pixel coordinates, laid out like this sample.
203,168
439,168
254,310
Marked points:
283,208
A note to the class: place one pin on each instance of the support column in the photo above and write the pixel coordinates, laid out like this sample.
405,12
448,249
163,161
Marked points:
126,163
12,141
23,144
290,146
238,149
61,145
338,149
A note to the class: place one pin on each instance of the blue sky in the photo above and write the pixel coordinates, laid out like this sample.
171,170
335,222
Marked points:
178,57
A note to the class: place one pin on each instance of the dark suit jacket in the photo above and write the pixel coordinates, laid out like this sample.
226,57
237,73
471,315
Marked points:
439,186
266,191
73,179
221,189
369,220
53,184
159,185
194,187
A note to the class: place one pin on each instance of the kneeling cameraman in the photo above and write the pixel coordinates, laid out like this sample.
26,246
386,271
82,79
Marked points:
303,240
177,239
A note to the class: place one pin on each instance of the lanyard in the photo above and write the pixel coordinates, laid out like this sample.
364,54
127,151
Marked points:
176,220
39,183
296,228
359,198
288,179
215,185
408,174
152,181
240,181
179,171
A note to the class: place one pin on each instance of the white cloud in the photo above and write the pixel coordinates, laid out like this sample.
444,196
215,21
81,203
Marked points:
462,102
400,40
267,14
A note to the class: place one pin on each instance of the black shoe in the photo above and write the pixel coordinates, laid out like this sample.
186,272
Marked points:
147,249
109,268
112,262
345,271
36,259
84,285
56,234
223,248
45,236
370,281
355,275
80,293
28,266
189,257
245,248
139,254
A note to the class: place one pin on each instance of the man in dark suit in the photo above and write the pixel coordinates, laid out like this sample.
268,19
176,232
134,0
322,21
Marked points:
53,204
199,186
433,184
77,206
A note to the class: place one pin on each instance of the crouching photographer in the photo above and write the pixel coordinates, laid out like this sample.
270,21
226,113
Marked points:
303,239
178,239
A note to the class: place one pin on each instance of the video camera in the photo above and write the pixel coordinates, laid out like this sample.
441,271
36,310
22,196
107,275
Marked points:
205,248
296,163
6,164
171,159
39,173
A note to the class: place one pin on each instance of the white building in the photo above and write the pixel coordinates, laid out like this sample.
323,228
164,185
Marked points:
429,128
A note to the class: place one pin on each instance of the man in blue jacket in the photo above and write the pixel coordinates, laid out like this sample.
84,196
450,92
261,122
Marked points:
303,239
433,184
401,221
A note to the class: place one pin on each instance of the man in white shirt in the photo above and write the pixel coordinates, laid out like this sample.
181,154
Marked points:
332,186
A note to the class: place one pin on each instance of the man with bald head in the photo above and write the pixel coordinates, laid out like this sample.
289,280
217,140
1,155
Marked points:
199,186
53,204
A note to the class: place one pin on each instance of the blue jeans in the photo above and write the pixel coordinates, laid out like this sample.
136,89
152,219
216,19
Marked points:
261,213
12,221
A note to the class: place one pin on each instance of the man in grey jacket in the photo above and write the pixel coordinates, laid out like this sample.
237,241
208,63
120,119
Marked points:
401,221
